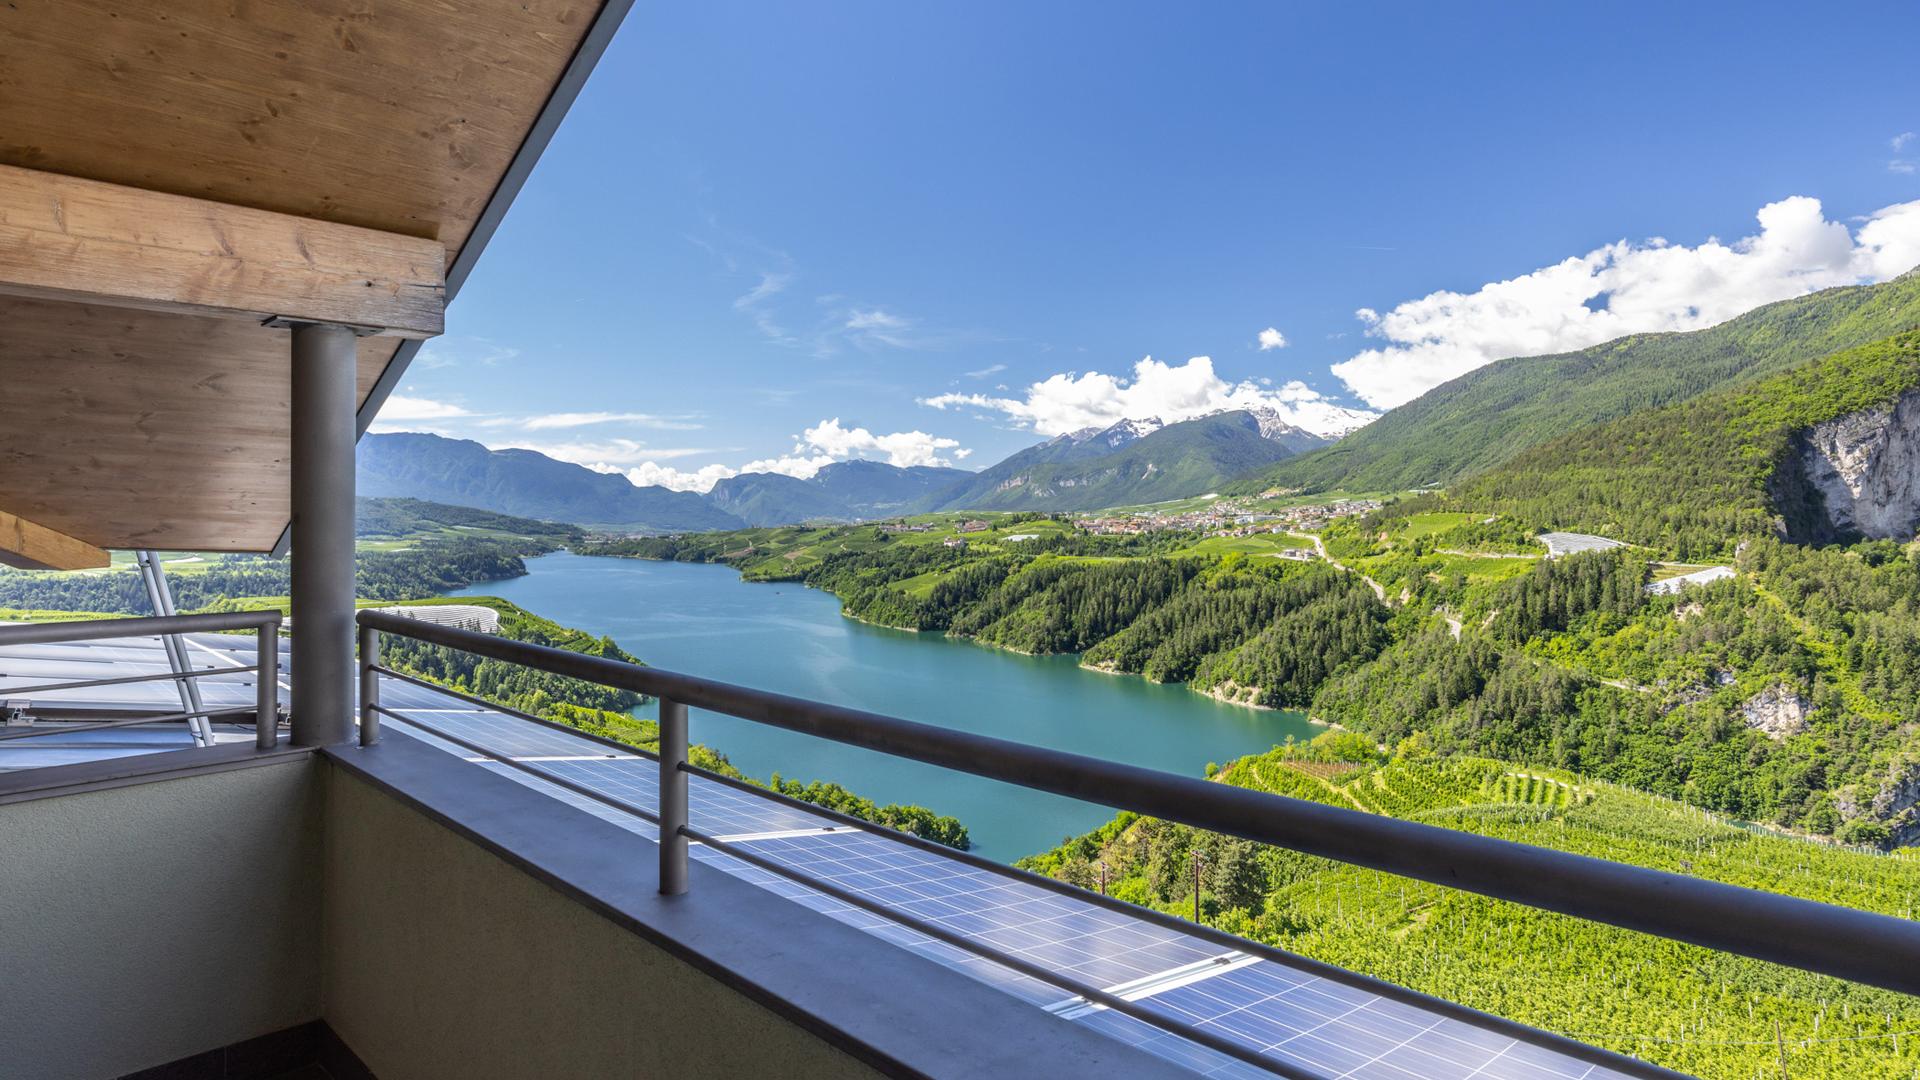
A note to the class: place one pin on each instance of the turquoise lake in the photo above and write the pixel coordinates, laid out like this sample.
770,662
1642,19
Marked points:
703,620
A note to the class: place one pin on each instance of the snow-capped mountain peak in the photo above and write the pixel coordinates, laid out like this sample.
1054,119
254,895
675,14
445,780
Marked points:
1127,431
1116,435
1272,424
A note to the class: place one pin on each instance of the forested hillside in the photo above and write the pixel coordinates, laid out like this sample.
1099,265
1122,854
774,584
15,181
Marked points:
1492,414
1688,1008
1249,627
1786,694
399,519
1692,480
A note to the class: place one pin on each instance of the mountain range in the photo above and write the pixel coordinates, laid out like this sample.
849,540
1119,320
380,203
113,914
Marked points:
1133,461
525,484
1459,430
855,490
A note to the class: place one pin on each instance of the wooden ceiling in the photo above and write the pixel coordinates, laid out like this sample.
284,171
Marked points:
130,428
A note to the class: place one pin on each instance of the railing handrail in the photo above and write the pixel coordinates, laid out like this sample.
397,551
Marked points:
264,623
50,633
1829,939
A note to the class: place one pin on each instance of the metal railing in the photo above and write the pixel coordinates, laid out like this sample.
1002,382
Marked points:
265,709
1847,943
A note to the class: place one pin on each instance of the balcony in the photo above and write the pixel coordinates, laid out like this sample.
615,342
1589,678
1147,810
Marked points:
469,891
233,853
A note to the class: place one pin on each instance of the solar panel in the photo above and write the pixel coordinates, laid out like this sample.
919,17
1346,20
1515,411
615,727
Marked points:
34,665
1289,1014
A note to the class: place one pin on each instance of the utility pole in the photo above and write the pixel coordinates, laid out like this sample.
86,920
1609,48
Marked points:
1780,1044
1197,863
1103,877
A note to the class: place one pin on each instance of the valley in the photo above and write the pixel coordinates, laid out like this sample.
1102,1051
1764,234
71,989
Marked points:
1657,601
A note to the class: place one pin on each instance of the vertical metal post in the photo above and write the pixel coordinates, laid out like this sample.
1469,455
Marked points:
369,686
324,398
673,798
266,686
160,597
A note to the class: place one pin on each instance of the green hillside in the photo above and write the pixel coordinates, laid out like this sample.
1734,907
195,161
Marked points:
1487,416
1685,1007
1693,480
417,519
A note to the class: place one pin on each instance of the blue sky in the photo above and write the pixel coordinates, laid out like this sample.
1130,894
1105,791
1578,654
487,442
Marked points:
954,229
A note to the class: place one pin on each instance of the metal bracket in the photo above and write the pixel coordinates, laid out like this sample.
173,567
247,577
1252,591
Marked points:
282,322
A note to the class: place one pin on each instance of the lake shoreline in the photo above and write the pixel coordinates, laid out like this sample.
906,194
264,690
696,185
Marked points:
691,617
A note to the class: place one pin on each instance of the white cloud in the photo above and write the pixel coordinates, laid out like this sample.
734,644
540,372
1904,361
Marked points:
402,407
605,455
1272,339
902,448
813,449
1071,401
1625,288
1899,166
650,474
990,369
1899,142
874,320
550,421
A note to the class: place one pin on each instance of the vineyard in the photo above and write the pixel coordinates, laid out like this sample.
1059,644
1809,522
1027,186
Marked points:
1685,1007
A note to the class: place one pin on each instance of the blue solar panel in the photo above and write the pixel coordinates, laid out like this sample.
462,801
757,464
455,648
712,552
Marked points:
1286,1013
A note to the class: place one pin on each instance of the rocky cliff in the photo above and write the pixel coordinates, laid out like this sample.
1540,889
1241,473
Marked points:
1889,808
1855,476
1776,712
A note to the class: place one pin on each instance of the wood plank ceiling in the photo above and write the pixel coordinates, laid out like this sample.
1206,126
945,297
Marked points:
130,428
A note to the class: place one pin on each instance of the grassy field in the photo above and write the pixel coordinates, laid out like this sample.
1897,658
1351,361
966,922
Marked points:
1432,524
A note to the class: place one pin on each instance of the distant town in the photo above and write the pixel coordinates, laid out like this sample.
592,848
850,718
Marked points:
1228,517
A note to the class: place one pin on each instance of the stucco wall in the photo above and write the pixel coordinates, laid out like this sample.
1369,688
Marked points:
445,961
142,924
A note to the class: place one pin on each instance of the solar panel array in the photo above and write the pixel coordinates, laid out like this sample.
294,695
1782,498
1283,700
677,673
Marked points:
1288,1014
229,656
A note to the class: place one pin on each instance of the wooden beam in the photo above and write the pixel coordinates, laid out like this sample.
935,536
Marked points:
27,546
63,238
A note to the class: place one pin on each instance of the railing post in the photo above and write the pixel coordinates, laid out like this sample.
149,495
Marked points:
369,686
266,685
673,798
